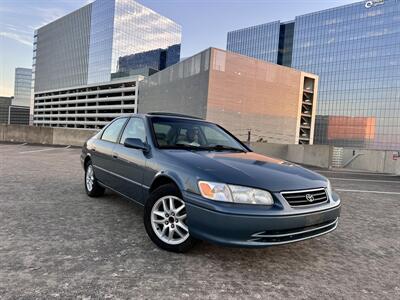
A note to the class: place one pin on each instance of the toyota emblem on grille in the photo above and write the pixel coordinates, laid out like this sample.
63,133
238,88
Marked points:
310,198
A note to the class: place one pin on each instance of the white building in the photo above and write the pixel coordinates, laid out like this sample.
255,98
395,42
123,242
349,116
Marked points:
87,106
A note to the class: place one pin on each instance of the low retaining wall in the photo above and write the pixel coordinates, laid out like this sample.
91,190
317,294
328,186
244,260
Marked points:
377,161
44,135
273,150
73,137
312,155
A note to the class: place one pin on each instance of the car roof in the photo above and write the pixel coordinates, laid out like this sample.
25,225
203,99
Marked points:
162,114
167,115
170,114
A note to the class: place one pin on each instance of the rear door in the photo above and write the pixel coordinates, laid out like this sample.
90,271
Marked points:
130,163
103,150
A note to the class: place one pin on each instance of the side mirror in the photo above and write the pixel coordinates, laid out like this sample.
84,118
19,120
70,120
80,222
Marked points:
136,144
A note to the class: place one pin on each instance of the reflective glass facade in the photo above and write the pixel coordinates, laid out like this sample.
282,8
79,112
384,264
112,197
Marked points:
138,29
126,35
22,86
101,41
355,50
61,51
260,41
157,59
285,52
86,46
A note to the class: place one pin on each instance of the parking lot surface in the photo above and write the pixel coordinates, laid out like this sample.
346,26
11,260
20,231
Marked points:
55,242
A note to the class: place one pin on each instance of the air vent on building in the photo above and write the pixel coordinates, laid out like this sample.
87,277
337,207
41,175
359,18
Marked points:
306,111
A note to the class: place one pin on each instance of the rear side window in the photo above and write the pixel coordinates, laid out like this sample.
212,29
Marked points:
111,133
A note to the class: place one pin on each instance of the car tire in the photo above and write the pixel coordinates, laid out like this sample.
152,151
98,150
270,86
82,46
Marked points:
165,212
92,187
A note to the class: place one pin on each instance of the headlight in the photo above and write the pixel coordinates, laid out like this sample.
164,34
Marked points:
215,191
234,193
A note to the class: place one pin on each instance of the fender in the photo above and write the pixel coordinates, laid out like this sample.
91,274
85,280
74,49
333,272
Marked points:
84,157
183,182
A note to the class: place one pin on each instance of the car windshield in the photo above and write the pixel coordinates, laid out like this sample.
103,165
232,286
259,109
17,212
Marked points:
193,135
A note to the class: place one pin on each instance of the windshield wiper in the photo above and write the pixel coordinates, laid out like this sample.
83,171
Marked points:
184,146
228,148
203,148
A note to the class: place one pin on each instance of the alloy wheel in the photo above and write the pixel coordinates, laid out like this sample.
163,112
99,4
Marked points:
168,220
89,178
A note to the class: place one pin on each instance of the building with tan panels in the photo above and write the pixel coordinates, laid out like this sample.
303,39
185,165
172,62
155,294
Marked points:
273,103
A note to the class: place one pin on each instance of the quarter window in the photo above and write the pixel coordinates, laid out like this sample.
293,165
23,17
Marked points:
111,133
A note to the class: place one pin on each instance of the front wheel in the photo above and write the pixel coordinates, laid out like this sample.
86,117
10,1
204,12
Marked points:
165,220
92,187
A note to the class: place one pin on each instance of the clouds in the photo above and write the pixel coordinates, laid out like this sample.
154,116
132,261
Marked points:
17,33
17,37
49,14
18,22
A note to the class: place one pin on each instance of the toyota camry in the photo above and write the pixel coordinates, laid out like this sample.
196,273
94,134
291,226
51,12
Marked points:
197,181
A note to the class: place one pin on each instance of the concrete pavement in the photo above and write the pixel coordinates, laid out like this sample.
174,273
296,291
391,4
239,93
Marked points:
57,243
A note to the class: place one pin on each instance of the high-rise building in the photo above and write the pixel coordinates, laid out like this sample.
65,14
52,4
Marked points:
13,114
86,50
355,51
22,87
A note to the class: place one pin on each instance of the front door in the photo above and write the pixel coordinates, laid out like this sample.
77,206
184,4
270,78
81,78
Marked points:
130,163
102,153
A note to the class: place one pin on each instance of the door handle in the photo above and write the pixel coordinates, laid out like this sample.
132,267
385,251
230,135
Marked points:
115,156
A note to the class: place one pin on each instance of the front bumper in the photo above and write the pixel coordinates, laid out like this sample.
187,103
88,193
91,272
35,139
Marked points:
232,225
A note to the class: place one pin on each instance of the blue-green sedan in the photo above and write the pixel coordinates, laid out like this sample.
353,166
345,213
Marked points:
197,181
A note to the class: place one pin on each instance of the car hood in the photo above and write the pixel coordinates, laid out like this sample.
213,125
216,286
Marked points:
249,169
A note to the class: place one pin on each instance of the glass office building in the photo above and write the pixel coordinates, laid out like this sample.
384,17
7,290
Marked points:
260,41
355,50
157,59
121,28
86,46
87,64
22,87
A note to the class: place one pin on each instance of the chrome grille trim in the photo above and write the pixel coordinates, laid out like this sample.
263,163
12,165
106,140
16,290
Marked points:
259,238
299,198
261,234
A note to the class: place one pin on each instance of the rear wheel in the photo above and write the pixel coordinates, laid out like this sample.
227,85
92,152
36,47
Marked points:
92,187
165,219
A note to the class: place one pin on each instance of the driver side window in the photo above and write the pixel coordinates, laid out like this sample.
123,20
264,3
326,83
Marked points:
134,129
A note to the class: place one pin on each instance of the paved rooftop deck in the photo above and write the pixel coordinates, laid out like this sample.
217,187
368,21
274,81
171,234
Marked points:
55,242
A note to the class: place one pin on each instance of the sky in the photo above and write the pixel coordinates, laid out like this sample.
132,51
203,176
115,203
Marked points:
205,23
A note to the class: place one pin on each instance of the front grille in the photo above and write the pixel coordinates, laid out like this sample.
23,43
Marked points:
303,198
